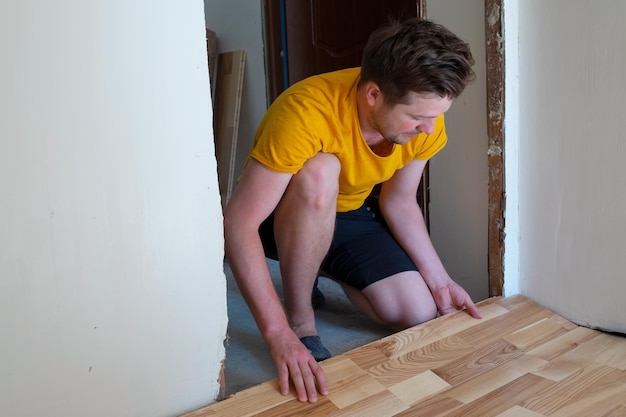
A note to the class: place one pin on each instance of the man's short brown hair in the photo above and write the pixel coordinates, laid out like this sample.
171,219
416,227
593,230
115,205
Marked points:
417,55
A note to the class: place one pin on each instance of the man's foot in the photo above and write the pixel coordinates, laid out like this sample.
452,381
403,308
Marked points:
318,350
317,297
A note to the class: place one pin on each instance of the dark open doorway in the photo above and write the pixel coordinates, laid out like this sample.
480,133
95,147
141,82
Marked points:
289,61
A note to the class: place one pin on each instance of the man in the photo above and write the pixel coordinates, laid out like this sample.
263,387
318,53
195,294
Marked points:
304,196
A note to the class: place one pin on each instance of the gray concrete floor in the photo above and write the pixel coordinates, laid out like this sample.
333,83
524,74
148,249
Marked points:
248,362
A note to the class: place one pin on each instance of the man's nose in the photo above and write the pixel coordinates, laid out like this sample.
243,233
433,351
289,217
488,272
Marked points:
426,126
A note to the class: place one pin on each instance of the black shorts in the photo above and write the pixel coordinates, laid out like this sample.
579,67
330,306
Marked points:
363,250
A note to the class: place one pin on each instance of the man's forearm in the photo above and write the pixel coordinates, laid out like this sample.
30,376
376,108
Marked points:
406,222
246,258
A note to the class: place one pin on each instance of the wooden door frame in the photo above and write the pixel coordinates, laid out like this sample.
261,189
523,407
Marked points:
494,30
423,193
273,48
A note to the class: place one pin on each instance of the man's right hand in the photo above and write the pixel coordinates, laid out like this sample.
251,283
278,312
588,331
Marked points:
295,364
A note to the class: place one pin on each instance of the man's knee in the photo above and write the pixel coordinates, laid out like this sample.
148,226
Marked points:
401,300
408,316
419,315
318,180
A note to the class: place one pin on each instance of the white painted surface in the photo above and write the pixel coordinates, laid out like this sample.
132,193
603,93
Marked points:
458,174
511,145
571,159
112,291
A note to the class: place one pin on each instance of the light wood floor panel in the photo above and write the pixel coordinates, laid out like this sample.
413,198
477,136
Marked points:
435,355
558,346
520,360
518,411
419,387
587,386
488,382
348,383
504,397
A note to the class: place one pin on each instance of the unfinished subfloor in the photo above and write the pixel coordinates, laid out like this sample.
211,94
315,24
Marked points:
519,360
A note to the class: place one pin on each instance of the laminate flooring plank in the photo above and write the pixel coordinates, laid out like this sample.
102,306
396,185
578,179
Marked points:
478,362
418,388
203,412
518,411
520,360
605,349
437,406
514,302
384,404
435,355
601,348
486,331
611,402
424,334
610,350
367,356
502,399
616,412
495,379
294,408
348,383
247,403
558,369
564,343
537,333
583,387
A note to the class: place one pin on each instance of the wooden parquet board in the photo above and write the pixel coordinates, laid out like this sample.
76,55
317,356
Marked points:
520,360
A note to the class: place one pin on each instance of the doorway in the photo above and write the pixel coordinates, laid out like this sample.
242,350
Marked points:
226,20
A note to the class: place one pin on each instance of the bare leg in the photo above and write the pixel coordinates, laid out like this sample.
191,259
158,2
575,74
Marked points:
400,301
303,226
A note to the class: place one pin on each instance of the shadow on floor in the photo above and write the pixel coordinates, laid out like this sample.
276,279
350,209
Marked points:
248,362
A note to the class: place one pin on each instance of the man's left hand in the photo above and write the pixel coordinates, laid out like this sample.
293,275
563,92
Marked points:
453,297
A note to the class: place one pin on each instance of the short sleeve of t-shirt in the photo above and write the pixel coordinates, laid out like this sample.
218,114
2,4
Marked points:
292,132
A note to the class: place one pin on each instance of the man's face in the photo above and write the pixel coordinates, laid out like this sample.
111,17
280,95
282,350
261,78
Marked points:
401,122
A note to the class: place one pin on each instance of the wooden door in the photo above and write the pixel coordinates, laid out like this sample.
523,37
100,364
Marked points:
307,37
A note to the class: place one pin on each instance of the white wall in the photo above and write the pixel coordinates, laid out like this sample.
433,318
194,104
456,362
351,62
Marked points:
571,158
112,292
458,174
510,22
238,24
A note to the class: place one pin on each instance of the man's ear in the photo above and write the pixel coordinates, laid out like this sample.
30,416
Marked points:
373,94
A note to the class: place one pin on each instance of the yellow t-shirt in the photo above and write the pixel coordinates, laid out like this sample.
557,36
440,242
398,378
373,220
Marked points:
319,114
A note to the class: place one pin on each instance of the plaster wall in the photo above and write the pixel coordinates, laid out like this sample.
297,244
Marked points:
572,231
112,290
